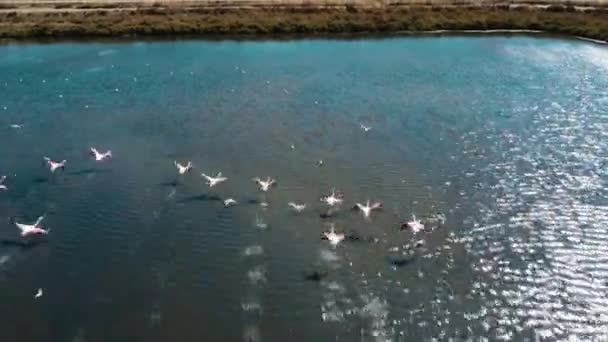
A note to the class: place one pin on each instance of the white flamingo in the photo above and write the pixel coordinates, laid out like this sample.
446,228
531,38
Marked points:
32,229
38,294
101,156
53,165
230,202
333,237
182,169
265,184
297,206
213,181
365,128
2,186
415,225
368,207
333,199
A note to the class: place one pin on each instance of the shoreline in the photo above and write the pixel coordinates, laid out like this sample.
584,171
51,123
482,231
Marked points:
294,37
83,20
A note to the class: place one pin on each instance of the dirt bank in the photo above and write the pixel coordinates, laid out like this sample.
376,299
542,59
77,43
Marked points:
22,20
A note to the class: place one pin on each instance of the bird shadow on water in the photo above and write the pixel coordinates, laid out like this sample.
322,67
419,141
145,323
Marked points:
21,244
88,171
356,237
400,261
40,180
170,184
200,198
330,215
314,275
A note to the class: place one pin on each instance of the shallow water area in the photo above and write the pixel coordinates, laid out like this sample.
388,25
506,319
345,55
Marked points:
499,144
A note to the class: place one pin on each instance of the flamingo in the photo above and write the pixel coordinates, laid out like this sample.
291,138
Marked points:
101,156
265,184
53,165
365,128
333,237
213,181
230,202
415,225
182,169
333,199
38,294
32,229
2,186
368,208
297,207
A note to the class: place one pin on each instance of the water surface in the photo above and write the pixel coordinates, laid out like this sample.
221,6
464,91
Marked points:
504,136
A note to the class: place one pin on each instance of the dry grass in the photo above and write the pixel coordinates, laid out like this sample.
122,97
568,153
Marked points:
160,20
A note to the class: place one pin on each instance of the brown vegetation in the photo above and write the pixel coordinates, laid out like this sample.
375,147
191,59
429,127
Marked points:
88,20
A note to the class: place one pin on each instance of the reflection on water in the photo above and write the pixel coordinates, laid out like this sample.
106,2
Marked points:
498,144
542,236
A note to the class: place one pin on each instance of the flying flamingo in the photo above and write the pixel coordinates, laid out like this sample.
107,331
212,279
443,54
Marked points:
368,208
415,225
101,156
181,169
333,199
2,186
265,184
32,229
297,206
53,165
333,237
213,181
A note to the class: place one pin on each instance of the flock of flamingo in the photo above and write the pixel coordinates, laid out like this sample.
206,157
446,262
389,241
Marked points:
333,200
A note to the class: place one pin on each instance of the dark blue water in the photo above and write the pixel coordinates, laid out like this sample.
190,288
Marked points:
505,137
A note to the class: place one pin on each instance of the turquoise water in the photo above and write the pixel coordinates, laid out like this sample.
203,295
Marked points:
505,137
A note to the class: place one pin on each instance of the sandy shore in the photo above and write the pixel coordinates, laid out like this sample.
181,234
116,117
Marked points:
119,18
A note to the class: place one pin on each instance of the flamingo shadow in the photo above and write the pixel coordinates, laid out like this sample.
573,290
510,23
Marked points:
401,261
315,276
169,184
21,244
200,198
40,180
89,171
